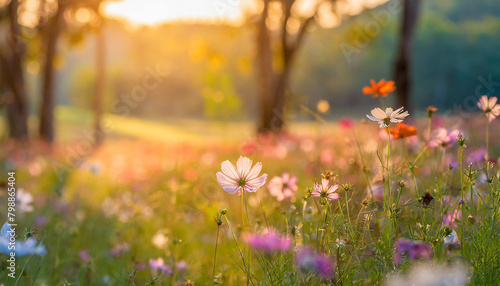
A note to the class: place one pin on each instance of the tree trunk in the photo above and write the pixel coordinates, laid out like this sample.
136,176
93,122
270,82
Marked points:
48,93
403,64
266,74
99,84
11,64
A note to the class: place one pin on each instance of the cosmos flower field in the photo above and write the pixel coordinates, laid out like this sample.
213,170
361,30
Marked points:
340,203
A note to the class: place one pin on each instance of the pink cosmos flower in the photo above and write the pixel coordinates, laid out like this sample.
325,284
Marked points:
489,106
283,187
270,242
378,192
307,260
346,123
243,176
119,249
324,190
158,267
415,250
450,219
444,138
84,255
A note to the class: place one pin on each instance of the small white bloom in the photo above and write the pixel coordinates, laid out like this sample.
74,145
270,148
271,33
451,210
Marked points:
384,118
24,200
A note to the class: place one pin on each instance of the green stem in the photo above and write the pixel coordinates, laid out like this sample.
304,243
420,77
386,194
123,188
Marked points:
364,165
247,227
215,255
388,167
460,161
487,138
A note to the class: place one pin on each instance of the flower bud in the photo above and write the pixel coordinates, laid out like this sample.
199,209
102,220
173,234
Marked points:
430,111
471,219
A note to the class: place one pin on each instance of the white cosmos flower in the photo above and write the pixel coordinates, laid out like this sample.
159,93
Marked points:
388,116
243,176
489,106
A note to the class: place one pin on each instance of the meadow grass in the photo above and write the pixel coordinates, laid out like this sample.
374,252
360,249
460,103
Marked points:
151,192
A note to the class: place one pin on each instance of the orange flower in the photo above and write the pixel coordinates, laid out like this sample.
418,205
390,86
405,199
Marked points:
403,131
381,88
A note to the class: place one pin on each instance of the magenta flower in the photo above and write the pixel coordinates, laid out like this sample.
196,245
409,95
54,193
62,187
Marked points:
450,219
476,156
346,123
444,138
319,263
415,250
243,176
489,106
283,187
119,249
270,242
84,255
158,267
324,190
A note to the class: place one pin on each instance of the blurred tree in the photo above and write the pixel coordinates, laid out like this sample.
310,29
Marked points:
51,35
274,78
403,65
12,53
100,69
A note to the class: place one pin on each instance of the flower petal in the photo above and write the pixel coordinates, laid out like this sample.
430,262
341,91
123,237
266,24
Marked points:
333,196
254,184
243,166
229,170
378,113
228,184
252,174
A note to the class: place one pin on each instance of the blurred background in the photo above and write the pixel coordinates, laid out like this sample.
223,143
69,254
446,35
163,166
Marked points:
141,67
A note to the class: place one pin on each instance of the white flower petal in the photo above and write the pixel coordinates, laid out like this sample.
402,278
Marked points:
378,113
229,170
243,166
254,172
255,184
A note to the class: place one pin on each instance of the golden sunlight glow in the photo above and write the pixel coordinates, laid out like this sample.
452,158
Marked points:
154,12
137,12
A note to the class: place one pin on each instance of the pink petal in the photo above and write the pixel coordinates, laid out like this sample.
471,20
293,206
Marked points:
318,188
492,102
224,179
255,171
333,188
227,183
243,166
324,182
333,196
254,184
229,170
